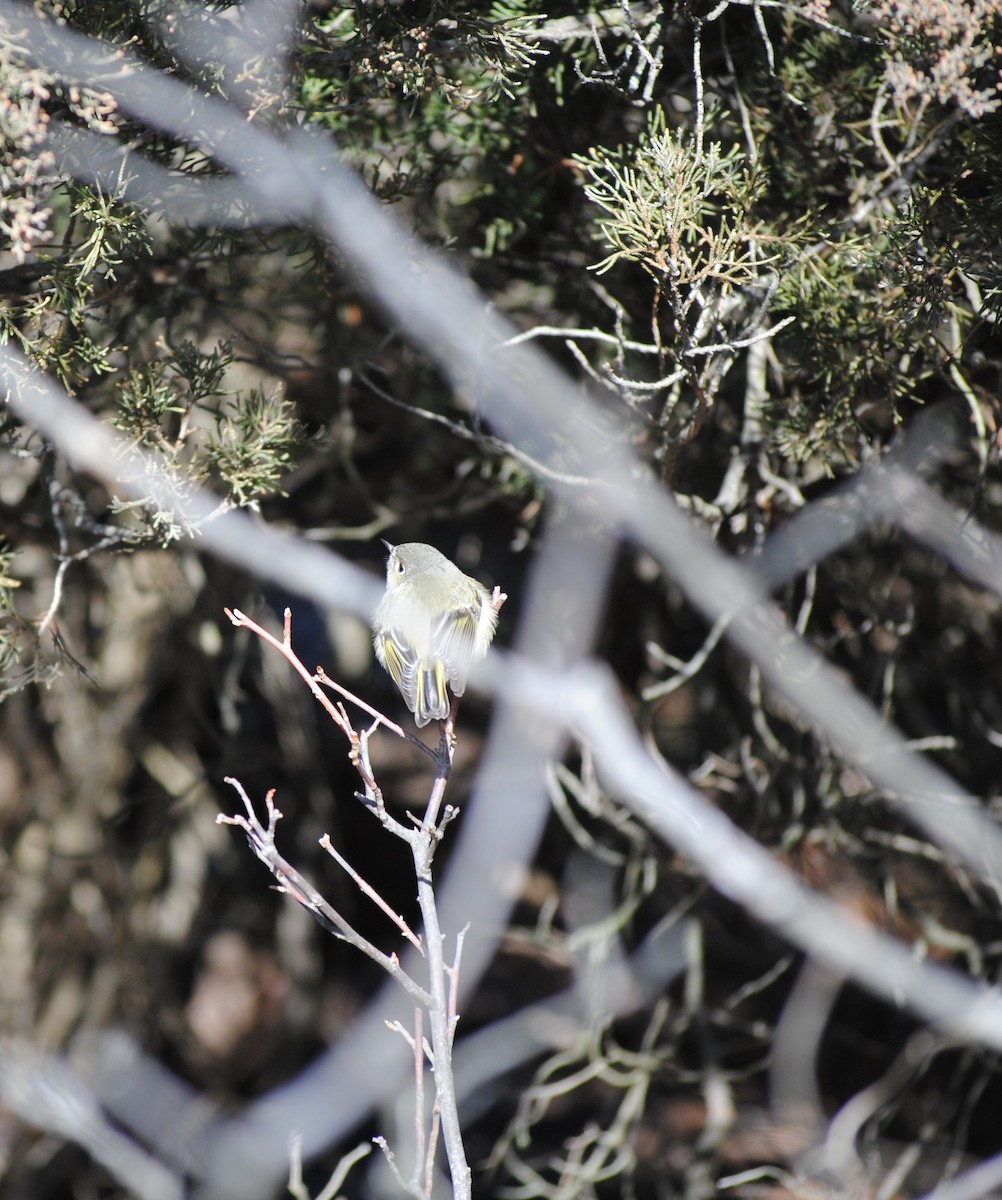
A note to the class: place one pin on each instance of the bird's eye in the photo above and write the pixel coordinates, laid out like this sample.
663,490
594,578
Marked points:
400,567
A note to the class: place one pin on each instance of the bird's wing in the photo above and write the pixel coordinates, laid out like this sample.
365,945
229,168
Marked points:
401,662
454,641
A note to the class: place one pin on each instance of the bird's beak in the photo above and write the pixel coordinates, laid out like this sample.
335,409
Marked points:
389,545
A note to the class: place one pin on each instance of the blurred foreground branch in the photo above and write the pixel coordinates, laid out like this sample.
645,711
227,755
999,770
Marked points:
291,177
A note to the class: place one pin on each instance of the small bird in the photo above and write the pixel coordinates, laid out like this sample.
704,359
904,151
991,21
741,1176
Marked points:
432,624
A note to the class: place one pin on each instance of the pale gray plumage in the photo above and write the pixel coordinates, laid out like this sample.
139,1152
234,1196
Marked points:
432,624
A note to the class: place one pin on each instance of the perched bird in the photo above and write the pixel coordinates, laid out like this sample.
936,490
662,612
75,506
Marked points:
432,624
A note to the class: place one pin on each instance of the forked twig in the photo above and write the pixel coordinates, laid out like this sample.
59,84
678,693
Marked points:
262,841
423,836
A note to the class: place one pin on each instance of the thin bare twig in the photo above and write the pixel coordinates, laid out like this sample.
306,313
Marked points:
333,1186
423,839
371,892
284,647
262,842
